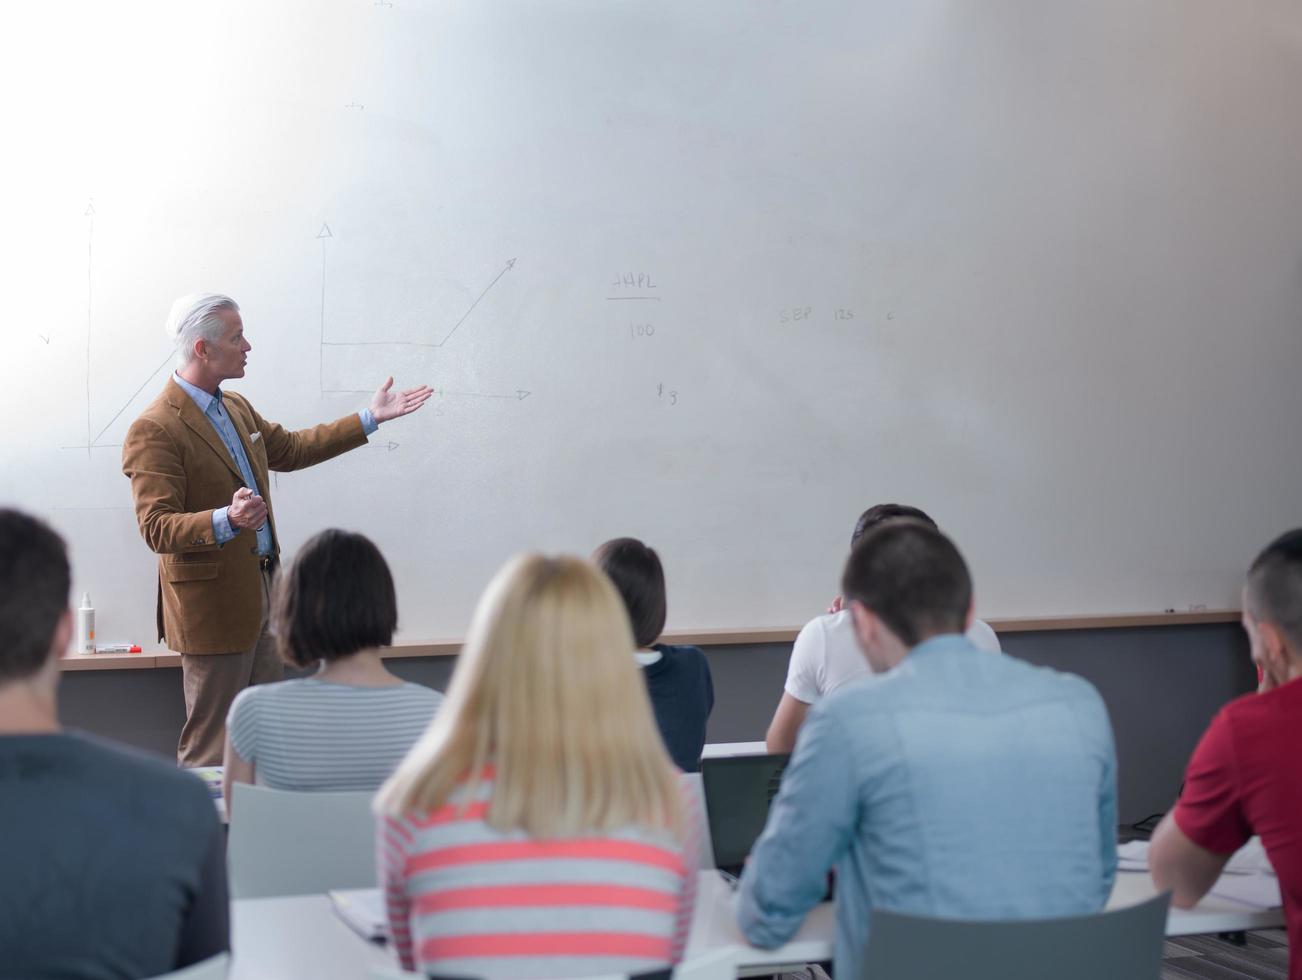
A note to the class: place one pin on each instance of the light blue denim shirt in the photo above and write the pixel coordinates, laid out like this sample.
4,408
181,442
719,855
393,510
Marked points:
960,784
214,410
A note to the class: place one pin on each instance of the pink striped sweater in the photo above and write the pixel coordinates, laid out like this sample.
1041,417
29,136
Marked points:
467,900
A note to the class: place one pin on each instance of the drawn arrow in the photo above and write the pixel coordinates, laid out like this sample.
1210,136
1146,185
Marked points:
389,446
401,343
94,443
519,396
322,235
90,250
44,338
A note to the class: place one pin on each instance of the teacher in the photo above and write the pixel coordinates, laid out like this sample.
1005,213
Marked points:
198,459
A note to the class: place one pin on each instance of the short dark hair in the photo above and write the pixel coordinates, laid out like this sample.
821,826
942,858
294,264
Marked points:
878,513
34,583
912,577
336,598
1274,592
640,580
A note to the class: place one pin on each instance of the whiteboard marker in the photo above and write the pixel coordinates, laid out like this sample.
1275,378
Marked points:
118,648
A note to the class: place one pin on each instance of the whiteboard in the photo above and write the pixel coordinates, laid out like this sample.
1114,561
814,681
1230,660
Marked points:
718,275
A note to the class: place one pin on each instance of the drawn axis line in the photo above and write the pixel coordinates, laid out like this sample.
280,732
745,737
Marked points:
407,343
94,443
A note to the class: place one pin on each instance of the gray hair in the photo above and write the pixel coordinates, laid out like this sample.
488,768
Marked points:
195,317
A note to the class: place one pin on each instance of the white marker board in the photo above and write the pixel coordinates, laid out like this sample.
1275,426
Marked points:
718,275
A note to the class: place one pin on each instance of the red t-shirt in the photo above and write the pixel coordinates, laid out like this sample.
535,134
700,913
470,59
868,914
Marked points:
1245,778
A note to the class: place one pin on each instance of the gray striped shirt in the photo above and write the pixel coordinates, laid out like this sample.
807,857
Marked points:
316,735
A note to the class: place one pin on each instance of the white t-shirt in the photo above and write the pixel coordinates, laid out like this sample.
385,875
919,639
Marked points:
827,656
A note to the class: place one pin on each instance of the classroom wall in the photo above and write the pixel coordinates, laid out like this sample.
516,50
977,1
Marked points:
717,275
1161,685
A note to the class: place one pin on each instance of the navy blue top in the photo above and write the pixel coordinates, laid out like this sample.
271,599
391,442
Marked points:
112,864
682,694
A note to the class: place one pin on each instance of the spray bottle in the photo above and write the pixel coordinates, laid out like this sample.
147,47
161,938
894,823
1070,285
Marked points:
85,625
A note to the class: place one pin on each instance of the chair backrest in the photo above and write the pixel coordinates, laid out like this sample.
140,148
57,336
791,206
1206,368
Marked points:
1125,944
213,968
695,791
299,843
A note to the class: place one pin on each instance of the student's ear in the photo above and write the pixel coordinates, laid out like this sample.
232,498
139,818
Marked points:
1274,651
62,638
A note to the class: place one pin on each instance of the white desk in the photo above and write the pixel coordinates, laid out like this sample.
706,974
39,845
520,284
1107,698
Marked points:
1212,914
298,937
301,937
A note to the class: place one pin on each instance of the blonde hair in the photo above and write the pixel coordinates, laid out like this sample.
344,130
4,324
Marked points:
546,691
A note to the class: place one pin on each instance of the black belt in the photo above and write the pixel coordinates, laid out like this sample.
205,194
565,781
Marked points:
268,563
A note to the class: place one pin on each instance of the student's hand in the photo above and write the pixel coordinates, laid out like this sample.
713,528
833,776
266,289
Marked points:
247,510
389,404
837,605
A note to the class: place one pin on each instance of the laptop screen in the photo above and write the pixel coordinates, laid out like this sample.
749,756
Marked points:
738,791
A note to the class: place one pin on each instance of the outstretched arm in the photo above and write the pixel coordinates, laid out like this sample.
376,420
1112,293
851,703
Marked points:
1187,869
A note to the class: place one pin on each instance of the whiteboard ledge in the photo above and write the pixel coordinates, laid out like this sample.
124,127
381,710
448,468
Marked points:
713,637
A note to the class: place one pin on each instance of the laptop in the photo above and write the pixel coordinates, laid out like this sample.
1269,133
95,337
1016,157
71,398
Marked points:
738,790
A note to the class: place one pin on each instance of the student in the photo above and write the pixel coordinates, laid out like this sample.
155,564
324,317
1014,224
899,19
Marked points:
677,677
961,785
348,725
539,829
1245,776
112,864
826,657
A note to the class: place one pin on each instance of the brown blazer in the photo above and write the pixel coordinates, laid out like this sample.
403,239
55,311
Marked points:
209,595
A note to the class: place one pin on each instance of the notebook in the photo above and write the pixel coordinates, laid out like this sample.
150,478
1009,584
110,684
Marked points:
362,909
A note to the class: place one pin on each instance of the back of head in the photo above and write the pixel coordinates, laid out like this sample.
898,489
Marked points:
878,514
912,577
335,599
1274,588
639,578
546,694
34,583
193,317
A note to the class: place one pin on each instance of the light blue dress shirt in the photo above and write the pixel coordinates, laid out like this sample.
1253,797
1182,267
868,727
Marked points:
961,784
214,410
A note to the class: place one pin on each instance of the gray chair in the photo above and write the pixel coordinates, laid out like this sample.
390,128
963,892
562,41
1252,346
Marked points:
718,964
1125,944
285,843
695,791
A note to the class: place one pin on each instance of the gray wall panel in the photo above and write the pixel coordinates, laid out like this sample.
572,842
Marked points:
1161,685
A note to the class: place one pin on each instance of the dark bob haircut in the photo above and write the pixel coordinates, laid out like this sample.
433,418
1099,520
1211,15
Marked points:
640,580
336,598
878,513
34,583
912,577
